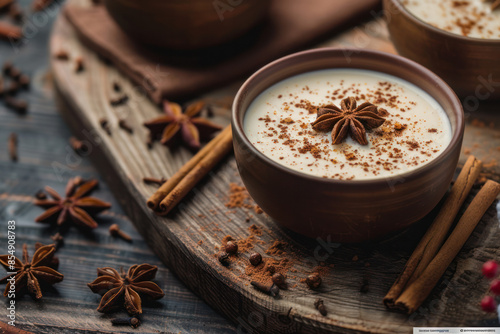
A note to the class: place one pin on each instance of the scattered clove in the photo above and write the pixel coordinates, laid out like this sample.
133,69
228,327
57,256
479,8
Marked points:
58,240
255,259
313,281
79,65
20,106
62,55
40,194
115,231
223,258
116,87
7,67
124,125
105,125
152,180
13,146
24,81
231,247
12,89
14,73
320,306
134,322
118,101
16,13
77,145
271,289
279,280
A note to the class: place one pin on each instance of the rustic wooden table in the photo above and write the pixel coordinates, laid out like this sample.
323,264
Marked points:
46,159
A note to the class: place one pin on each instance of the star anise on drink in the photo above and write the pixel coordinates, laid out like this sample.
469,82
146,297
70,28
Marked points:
31,273
176,126
75,207
348,119
125,289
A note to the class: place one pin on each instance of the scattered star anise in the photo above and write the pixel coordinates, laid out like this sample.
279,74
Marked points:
125,289
31,273
176,125
348,119
75,207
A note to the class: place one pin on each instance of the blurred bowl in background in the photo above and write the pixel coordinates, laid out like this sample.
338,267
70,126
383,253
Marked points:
469,65
186,24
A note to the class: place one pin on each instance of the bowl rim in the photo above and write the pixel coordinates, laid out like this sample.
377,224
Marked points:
483,41
456,107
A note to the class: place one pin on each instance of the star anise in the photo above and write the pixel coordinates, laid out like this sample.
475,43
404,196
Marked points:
176,125
125,289
348,119
75,206
31,273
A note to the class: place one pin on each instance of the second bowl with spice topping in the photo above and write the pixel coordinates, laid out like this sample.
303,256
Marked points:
350,148
458,40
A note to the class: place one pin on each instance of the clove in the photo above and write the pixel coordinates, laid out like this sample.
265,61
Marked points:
13,146
124,125
152,180
20,106
271,289
62,55
134,322
115,231
320,306
79,65
58,240
16,13
118,101
105,125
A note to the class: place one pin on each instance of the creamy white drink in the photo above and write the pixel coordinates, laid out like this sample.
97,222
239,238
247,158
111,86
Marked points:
416,128
472,18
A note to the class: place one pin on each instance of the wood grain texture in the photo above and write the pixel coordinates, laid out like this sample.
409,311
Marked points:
45,158
188,238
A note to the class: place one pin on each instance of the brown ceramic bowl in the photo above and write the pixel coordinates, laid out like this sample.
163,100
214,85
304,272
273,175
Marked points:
186,24
460,61
345,211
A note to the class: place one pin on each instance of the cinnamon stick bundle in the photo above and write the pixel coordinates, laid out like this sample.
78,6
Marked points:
435,235
173,191
420,289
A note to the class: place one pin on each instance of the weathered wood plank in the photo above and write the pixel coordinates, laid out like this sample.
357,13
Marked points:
43,143
186,241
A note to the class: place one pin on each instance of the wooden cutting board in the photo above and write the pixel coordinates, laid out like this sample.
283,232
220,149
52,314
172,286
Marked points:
355,277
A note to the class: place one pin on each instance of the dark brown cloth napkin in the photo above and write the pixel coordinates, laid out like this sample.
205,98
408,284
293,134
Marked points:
291,24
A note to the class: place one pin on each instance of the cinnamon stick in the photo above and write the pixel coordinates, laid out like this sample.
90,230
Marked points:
420,289
205,165
154,201
435,235
9,31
